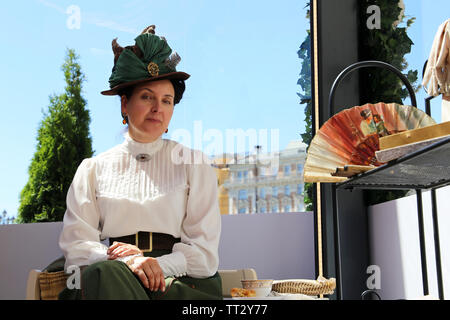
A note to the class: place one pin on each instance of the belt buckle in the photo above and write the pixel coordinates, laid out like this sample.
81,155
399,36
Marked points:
150,239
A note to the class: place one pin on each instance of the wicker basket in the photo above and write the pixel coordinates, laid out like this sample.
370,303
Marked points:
308,287
51,284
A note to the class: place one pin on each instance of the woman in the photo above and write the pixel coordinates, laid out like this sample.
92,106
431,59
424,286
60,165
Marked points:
160,214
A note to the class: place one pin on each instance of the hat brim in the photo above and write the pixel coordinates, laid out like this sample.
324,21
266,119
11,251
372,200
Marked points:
171,75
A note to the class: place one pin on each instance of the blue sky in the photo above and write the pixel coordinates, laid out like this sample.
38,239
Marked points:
242,57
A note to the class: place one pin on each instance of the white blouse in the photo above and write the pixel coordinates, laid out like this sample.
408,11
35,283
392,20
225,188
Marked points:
175,192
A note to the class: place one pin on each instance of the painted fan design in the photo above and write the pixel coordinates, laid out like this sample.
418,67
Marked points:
351,137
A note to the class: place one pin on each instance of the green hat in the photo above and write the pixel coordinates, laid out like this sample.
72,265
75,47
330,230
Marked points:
149,59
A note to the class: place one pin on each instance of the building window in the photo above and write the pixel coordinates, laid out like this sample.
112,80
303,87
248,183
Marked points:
299,168
242,210
243,194
275,191
239,174
287,208
287,190
262,193
275,170
245,174
274,209
300,189
263,210
287,170
261,171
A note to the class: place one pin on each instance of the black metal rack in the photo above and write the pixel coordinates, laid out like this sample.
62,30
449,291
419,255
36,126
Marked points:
424,169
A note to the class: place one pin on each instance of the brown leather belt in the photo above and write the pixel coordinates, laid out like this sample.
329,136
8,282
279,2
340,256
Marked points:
148,241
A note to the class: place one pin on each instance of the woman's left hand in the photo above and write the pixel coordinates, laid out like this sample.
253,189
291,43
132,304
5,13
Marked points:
120,249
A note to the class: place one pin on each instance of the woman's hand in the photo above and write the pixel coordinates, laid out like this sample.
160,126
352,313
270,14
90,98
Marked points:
120,249
149,272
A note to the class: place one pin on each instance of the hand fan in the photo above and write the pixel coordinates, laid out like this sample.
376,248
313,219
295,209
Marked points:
351,137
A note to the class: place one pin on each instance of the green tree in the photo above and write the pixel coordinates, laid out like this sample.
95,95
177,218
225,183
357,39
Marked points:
63,141
304,53
389,44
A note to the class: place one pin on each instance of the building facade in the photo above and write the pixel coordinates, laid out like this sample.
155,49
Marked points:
262,183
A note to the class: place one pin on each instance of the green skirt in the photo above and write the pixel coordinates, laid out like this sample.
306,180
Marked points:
113,280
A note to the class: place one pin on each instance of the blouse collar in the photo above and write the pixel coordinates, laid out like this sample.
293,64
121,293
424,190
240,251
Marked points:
142,151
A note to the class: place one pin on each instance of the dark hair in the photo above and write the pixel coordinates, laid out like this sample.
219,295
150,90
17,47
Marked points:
365,113
178,85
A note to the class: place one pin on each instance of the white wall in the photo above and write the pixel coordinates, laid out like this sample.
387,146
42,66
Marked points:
24,247
395,246
278,246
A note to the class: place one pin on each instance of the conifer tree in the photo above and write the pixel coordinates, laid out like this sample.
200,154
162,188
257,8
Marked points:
63,141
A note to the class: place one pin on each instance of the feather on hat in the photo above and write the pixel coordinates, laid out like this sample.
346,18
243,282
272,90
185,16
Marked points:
149,59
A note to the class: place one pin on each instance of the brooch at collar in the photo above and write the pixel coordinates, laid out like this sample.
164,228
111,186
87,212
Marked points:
143,157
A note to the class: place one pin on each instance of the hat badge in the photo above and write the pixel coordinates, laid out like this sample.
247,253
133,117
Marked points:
153,69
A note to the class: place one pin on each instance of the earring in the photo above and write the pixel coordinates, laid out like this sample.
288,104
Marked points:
167,130
125,118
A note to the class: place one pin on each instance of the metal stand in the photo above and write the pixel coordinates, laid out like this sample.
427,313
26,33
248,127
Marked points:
371,176
423,254
437,246
337,244
437,175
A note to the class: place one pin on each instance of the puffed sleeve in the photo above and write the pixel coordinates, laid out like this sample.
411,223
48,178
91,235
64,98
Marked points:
80,236
197,253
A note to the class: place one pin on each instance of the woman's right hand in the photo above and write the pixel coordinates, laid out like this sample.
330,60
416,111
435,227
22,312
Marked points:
149,272
120,249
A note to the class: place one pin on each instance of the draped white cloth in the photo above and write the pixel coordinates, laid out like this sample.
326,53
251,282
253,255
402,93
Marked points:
437,74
